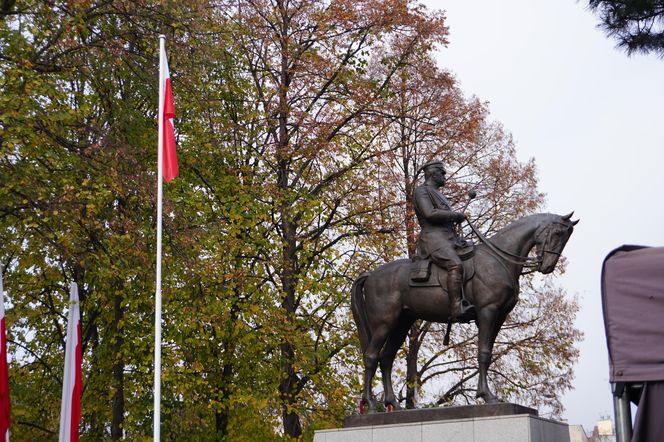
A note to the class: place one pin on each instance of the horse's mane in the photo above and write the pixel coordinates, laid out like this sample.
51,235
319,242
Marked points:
534,220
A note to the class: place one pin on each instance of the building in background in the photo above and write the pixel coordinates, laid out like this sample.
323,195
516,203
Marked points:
577,434
603,431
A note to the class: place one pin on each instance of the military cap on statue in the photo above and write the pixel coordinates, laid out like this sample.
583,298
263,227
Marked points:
430,164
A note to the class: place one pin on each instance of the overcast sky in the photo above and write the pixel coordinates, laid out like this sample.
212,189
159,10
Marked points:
591,117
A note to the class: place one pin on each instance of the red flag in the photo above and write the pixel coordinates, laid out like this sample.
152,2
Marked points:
5,418
70,410
170,160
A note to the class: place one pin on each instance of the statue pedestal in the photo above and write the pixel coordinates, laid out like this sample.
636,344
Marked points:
480,423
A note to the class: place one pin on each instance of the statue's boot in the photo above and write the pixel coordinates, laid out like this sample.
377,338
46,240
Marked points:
462,310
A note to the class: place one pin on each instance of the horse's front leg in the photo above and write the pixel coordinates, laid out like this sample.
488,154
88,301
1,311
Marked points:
488,323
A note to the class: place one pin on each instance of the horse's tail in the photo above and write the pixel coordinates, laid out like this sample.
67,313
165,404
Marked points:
359,311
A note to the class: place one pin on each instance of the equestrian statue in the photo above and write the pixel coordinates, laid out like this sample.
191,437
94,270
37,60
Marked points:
449,281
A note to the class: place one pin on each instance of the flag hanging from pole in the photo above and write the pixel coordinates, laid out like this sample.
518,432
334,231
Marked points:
167,113
70,410
5,418
167,164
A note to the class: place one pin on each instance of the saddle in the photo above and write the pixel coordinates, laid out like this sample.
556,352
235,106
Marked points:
423,274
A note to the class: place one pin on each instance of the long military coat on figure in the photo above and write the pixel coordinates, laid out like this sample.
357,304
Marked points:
436,218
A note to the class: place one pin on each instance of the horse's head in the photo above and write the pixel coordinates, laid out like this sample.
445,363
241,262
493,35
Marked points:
550,239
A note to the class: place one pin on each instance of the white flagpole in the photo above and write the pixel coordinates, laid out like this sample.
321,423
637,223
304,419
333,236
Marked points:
157,311
69,376
2,310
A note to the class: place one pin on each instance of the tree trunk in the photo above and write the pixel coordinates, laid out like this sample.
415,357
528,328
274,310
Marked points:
221,416
410,221
288,387
412,375
118,370
117,403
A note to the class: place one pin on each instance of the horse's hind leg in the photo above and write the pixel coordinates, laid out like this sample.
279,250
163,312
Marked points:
387,355
378,337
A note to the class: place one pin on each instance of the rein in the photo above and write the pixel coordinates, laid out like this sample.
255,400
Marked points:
525,261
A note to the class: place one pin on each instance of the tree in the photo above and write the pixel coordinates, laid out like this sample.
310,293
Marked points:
77,131
432,119
638,25
307,63
291,115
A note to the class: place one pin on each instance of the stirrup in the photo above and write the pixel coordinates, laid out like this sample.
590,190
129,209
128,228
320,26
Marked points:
466,307
466,312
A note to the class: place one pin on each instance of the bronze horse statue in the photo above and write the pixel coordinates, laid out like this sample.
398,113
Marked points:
385,305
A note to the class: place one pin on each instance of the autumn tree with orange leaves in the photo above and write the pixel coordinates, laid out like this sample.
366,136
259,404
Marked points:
432,119
307,62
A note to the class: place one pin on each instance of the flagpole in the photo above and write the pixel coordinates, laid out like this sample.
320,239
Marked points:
70,408
5,416
157,312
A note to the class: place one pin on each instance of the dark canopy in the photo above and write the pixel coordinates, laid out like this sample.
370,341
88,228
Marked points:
633,304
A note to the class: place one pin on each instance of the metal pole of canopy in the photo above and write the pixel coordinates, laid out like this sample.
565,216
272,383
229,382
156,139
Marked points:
622,412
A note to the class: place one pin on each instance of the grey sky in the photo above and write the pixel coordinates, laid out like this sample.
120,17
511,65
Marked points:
592,118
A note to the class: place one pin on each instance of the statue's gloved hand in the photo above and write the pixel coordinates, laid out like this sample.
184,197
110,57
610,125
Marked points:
460,217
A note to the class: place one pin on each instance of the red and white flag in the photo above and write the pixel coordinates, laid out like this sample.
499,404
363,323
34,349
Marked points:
169,168
5,418
70,411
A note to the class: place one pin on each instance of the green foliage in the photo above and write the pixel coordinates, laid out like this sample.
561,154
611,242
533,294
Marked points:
280,109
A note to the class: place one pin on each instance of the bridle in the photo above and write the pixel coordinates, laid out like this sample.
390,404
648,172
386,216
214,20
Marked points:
531,263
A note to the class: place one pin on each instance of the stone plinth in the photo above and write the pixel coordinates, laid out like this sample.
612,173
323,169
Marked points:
438,414
483,423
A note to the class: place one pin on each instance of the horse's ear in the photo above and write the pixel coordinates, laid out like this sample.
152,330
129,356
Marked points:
568,216
574,223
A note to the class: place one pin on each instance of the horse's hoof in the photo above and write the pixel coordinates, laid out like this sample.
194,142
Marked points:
367,407
391,407
488,397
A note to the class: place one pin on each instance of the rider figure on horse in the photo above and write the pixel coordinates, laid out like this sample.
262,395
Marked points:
438,235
